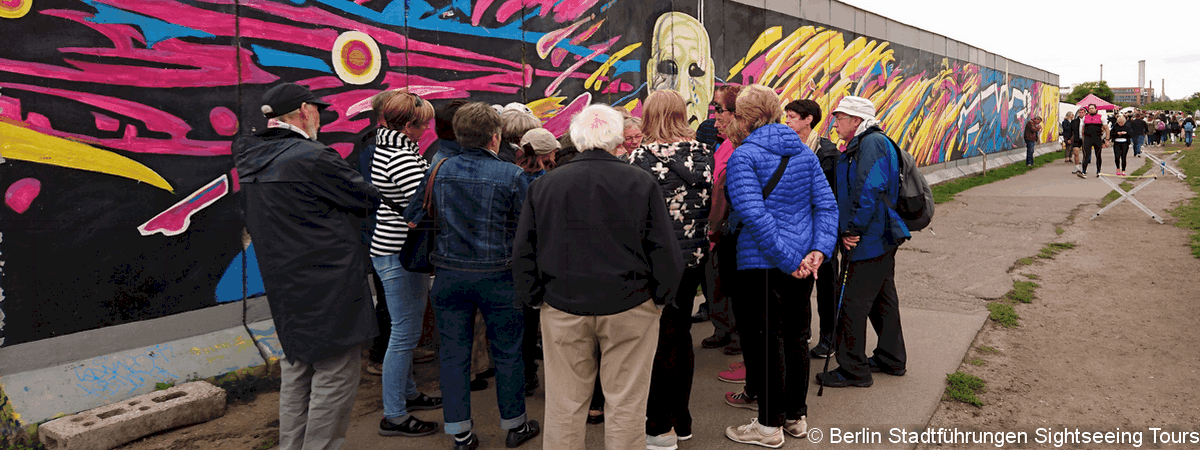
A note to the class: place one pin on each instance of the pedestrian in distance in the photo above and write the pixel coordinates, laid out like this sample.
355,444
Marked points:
784,218
1095,134
1121,138
1069,134
304,207
1138,128
1033,129
870,231
477,198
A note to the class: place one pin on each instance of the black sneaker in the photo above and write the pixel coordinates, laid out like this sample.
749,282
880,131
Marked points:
470,443
701,314
838,378
412,427
523,433
531,385
824,349
479,384
424,403
880,368
733,350
715,341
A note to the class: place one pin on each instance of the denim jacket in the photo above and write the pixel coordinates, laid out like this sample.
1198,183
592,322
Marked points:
477,199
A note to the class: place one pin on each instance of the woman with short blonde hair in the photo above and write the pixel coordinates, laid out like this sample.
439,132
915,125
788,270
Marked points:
664,118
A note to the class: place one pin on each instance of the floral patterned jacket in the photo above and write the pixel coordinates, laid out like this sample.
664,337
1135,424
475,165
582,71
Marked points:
684,172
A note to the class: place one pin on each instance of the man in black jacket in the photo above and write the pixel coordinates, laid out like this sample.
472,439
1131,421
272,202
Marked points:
304,206
596,252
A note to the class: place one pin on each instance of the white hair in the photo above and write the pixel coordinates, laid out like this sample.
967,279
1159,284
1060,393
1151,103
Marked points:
597,127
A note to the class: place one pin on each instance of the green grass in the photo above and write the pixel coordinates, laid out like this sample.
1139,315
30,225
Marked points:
1059,231
1031,276
1022,291
945,192
1024,261
976,362
1125,185
1052,249
1188,213
163,386
1003,314
964,388
268,443
988,350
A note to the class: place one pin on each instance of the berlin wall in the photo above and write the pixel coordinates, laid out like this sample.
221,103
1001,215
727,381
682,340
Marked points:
121,199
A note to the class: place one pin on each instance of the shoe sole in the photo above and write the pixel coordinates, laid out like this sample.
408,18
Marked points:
730,380
857,384
763,444
684,437
753,407
797,436
404,434
657,447
423,407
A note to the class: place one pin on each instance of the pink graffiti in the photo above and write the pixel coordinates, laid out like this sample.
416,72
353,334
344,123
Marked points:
153,119
599,49
37,120
561,121
177,218
223,121
564,10
10,108
551,39
325,82
237,183
21,194
106,123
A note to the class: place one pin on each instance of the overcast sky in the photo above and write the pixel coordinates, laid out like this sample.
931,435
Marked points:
1046,34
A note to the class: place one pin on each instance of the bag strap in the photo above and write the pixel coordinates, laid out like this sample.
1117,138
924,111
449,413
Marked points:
429,188
771,183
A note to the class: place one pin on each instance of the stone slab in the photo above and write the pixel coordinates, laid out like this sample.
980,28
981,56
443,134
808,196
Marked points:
41,394
112,425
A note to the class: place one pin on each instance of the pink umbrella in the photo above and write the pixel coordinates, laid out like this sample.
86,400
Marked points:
1092,99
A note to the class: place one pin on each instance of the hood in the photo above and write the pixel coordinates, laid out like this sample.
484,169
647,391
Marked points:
251,154
852,146
777,139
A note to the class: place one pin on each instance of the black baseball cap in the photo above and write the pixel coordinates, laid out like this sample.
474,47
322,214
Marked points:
287,97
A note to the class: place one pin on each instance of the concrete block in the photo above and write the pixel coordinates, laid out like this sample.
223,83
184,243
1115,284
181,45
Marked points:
109,426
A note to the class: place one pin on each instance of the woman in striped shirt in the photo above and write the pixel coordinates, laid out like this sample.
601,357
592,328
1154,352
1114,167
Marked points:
397,169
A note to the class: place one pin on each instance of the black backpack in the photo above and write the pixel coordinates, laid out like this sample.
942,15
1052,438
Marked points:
915,203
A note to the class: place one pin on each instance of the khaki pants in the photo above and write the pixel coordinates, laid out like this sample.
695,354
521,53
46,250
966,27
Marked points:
315,400
627,343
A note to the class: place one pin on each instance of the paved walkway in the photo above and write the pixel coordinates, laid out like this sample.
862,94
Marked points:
945,278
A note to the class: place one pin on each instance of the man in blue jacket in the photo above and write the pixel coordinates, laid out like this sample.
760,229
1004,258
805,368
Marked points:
867,182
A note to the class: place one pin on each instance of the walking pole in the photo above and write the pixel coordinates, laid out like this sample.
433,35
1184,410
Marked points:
837,314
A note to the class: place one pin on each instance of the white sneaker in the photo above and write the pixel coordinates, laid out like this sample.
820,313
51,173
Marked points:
797,428
756,434
665,441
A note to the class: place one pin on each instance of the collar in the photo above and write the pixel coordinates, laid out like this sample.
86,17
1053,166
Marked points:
482,150
595,154
274,123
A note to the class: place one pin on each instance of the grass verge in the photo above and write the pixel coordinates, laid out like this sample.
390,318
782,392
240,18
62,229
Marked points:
964,388
945,192
1003,314
1022,291
1054,248
988,350
1188,212
1125,185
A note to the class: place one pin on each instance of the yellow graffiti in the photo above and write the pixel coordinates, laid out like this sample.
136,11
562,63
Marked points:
16,12
23,144
546,108
603,70
768,37
241,344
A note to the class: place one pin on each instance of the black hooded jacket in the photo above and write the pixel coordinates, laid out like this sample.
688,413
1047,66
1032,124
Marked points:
304,208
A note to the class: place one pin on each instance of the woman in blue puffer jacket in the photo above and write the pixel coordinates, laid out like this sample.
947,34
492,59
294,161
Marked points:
785,234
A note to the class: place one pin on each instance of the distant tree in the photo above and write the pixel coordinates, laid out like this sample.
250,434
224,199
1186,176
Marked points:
1097,88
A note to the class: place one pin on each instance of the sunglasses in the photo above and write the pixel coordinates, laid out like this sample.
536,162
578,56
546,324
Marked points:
718,109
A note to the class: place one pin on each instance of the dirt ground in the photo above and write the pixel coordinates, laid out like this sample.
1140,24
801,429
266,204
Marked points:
1108,343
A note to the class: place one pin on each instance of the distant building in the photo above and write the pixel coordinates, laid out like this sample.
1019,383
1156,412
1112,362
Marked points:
1133,95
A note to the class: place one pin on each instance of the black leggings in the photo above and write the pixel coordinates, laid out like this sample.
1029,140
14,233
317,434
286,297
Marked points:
1090,144
1120,150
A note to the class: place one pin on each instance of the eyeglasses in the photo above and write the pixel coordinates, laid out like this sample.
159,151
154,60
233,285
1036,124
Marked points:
718,109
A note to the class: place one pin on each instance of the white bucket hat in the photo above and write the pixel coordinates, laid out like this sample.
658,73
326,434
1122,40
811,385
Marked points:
857,107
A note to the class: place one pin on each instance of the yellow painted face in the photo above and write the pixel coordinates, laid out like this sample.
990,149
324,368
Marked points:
681,59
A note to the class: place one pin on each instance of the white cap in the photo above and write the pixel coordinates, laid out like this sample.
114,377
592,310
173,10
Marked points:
857,107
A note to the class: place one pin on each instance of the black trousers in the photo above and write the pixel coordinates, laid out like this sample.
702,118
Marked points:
774,316
871,295
674,361
383,319
827,295
1091,145
1120,152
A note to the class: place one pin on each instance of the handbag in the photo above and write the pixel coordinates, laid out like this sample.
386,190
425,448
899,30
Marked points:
418,245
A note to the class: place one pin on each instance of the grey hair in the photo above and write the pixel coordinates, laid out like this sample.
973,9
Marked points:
516,123
597,127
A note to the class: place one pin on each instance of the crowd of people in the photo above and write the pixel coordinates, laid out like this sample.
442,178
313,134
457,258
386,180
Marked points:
1085,133
584,251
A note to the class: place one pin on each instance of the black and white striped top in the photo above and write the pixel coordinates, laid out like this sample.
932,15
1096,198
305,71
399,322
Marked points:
396,169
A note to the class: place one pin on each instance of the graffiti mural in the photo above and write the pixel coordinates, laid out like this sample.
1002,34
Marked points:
121,199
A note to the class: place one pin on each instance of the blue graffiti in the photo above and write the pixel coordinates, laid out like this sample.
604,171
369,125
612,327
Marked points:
154,30
106,377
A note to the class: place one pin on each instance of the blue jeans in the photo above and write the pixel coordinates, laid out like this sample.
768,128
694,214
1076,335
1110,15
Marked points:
1187,137
1029,152
456,296
1137,144
404,293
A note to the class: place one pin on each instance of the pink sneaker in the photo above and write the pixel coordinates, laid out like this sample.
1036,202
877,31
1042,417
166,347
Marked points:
737,375
1120,173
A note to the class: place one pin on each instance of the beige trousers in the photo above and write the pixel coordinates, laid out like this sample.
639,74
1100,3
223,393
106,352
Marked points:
627,342
315,400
